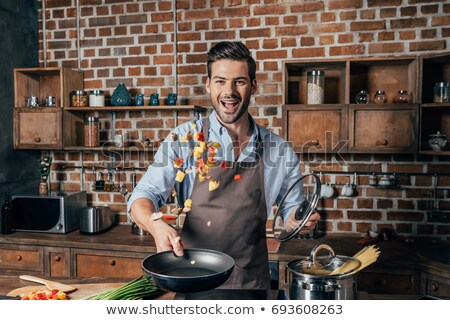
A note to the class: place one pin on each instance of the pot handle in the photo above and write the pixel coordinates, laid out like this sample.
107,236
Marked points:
316,249
328,287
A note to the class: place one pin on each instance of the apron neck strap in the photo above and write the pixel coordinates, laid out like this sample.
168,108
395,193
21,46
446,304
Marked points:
206,123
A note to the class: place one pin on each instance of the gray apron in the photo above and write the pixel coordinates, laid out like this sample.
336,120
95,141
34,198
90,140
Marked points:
232,219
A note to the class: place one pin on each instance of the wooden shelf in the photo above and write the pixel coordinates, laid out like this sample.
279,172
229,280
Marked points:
435,153
436,105
135,108
110,148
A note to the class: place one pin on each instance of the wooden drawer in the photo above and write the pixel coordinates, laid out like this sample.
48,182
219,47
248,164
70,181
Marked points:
57,262
17,258
434,285
104,264
387,282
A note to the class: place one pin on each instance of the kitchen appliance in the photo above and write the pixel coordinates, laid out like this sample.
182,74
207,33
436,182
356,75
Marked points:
56,212
95,220
197,270
313,278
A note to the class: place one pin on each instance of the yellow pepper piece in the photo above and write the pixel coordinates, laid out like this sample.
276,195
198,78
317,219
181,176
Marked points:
188,203
180,176
201,178
193,126
183,139
213,185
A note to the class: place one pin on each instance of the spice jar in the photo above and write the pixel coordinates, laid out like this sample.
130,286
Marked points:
380,97
402,97
362,97
315,86
91,132
78,98
441,92
96,98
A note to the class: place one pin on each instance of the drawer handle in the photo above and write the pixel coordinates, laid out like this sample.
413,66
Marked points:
37,139
19,257
315,142
57,258
112,263
383,142
434,287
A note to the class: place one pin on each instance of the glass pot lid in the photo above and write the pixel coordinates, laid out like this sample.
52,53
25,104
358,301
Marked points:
302,213
330,265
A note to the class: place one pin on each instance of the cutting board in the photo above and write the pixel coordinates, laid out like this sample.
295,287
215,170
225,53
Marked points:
83,290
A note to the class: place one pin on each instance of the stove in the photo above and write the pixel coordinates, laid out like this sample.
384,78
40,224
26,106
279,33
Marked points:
233,294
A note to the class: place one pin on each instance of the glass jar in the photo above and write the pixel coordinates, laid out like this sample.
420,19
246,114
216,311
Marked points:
362,97
401,97
96,98
91,132
441,92
78,98
380,97
315,86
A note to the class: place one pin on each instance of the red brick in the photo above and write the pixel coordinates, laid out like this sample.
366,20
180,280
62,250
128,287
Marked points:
347,50
219,24
308,52
344,226
363,227
403,227
428,45
405,204
307,7
408,11
327,17
325,40
254,33
271,54
445,229
345,203
268,10
429,9
384,204
428,34
290,20
200,14
236,23
440,21
408,23
386,36
404,216
364,203
384,3
344,4
386,47
272,21
363,215
345,38
365,37
329,28
367,25
424,229
367,14
347,15
102,21
407,35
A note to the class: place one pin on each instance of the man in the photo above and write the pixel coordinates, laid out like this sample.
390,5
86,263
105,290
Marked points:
248,167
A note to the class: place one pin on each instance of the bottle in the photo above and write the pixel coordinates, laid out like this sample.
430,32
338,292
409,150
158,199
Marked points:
362,97
315,87
380,97
109,184
402,97
99,183
6,218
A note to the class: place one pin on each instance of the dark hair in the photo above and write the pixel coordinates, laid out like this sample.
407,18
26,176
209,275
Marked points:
231,51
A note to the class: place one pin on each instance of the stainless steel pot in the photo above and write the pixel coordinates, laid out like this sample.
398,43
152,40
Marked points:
310,278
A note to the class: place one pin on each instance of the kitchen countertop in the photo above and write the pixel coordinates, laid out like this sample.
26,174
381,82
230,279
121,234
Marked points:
395,254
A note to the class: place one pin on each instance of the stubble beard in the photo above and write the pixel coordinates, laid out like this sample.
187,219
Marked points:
230,118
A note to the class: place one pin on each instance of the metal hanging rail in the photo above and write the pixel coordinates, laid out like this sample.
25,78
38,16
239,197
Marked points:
377,173
118,168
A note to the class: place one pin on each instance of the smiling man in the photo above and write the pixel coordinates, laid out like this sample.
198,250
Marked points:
232,172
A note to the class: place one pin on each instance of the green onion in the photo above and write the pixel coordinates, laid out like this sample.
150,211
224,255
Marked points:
133,290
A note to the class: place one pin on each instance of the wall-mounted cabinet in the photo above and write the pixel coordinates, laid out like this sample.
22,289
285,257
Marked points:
389,127
44,127
435,116
60,127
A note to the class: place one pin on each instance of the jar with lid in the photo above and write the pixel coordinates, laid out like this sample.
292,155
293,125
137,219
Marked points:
362,97
315,86
380,97
441,92
78,98
96,98
91,132
402,97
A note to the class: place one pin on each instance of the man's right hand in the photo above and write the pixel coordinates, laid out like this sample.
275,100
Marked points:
166,237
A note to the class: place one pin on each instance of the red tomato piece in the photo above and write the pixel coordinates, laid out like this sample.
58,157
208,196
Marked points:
237,177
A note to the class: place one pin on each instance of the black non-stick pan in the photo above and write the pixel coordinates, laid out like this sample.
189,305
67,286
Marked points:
197,270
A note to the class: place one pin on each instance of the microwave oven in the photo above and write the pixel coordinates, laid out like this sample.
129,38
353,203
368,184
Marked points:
56,212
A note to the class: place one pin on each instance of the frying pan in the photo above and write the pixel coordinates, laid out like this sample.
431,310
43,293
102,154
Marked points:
197,270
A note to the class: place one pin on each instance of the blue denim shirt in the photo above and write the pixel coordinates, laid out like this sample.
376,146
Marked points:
281,165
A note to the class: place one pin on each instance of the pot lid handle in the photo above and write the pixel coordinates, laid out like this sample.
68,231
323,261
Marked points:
316,249
302,213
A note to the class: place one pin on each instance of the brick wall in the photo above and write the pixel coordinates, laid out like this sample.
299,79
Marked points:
132,41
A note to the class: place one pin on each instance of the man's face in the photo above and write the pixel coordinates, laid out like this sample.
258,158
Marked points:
230,89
